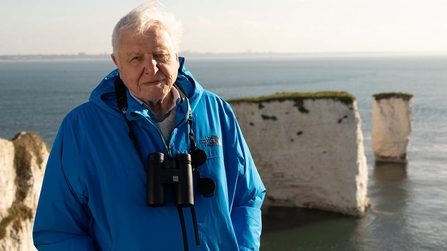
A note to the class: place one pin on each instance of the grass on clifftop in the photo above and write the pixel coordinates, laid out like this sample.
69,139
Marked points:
343,97
388,95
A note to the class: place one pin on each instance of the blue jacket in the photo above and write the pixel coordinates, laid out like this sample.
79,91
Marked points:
94,190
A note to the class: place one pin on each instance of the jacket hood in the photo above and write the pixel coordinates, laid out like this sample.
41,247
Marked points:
104,94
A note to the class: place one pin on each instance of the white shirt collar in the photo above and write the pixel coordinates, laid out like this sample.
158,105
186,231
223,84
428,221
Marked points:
175,94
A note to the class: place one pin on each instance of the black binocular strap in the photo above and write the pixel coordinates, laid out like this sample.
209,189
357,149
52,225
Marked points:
121,98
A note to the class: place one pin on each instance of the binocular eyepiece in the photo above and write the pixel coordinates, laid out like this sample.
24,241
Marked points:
177,172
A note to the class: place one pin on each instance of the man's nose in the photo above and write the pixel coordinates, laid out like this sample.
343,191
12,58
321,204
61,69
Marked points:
150,66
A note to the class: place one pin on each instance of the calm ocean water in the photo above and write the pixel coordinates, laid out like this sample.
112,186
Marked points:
408,209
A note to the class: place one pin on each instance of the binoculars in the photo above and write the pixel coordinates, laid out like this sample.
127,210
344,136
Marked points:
177,173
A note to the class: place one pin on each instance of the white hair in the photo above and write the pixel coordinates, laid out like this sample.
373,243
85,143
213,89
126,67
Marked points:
144,17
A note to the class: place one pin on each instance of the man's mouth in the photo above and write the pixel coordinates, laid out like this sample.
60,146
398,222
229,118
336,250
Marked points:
153,83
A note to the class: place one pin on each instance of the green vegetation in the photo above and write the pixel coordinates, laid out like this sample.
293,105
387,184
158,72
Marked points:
27,145
343,97
388,95
16,214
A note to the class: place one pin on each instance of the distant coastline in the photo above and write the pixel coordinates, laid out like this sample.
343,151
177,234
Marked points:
32,57
209,55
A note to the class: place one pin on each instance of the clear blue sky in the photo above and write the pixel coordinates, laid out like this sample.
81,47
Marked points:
304,26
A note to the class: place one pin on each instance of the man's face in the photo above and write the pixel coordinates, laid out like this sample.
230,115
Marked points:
147,63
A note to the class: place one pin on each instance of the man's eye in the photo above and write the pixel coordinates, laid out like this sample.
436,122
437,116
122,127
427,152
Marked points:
163,56
136,58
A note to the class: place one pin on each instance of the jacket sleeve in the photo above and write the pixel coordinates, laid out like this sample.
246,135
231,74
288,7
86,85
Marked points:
61,221
249,193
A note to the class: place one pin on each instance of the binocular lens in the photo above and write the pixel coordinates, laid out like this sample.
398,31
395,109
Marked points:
177,173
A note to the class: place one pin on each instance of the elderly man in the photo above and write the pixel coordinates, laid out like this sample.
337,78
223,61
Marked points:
153,161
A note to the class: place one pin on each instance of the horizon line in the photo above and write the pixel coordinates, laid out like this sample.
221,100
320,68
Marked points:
247,53
242,52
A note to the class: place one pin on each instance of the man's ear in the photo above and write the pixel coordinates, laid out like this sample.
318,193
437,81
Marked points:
178,62
115,60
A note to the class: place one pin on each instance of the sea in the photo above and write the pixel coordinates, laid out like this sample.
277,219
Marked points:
408,201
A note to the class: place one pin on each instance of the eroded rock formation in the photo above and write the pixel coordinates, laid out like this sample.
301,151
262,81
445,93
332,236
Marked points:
391,126
308,149
22,164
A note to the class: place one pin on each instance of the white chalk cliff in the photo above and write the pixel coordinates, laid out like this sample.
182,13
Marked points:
309,151
391,126
22,164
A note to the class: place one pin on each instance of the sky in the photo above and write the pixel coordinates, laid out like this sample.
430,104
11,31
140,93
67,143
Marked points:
233,26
